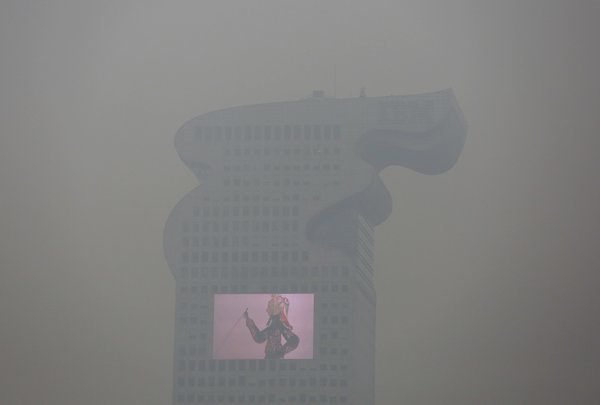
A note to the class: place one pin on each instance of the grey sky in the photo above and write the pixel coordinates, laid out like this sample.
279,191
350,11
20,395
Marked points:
487,275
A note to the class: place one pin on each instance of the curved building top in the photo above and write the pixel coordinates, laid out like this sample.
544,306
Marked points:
323,154
426,131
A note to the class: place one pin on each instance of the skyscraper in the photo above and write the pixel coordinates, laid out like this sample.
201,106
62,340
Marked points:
288,198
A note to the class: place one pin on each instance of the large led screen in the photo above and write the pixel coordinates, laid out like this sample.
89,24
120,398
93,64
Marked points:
259,326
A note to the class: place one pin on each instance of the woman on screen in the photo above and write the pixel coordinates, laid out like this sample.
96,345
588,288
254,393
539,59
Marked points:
277,326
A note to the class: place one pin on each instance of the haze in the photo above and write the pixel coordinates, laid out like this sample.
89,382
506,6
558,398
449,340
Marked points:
486,275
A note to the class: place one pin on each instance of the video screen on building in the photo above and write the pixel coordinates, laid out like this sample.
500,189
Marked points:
263,326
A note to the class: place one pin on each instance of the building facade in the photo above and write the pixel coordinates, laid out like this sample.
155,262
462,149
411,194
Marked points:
288,198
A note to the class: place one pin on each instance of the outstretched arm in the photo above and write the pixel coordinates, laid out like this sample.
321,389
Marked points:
257,335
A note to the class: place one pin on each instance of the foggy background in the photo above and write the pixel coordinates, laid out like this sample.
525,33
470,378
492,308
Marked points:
487,275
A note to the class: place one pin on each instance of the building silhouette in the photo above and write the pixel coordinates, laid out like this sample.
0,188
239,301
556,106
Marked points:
288,198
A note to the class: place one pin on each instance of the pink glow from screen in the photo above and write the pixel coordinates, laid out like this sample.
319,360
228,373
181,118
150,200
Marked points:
232,340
